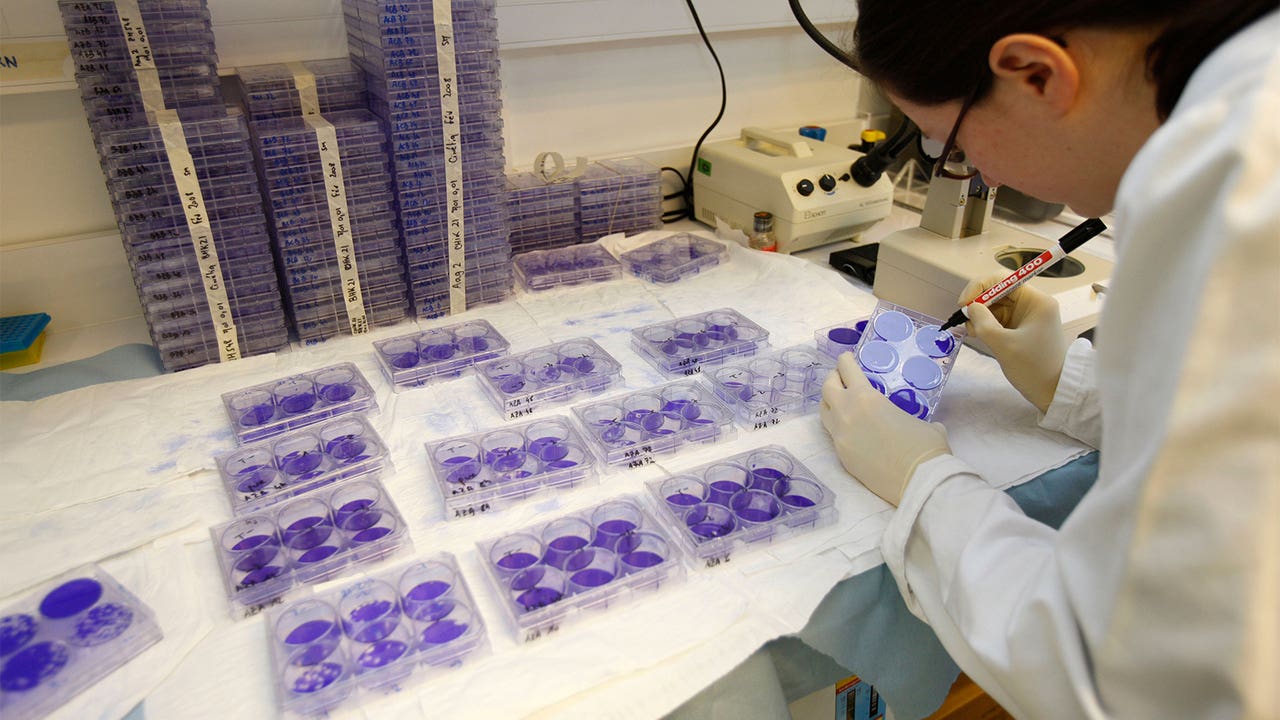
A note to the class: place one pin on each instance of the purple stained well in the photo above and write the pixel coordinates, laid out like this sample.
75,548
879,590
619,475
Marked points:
473,345
102,623
444,631
307,532
687,409
844,336
33,665
316,554
461,469
300,463
438,353
642,559
253,479
373,533
538,597
517,561
311,631
893,326
429,590
910,401
592,577
935,342
404,361
261,574
684,499
567,543
878,356
347,448
317,677
548,449
256,415
382,653
300,403
16,631
432,610
337,392
511,384
616,527
922,373
505,460
71,598
765,478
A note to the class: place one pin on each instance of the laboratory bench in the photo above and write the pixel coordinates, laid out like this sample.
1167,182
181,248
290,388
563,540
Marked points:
113,462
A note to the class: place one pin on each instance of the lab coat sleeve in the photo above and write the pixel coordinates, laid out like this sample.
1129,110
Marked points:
970,563
1075,409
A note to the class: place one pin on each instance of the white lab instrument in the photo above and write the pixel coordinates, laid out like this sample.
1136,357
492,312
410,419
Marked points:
925,268
804,183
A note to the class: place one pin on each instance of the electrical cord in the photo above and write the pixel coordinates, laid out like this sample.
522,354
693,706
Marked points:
687,212
670,216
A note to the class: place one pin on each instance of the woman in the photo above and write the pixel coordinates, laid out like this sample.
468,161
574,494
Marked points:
1159,597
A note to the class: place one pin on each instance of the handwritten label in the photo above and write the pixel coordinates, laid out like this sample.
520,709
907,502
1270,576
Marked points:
541,632
183,169
451,133
138,44
340,222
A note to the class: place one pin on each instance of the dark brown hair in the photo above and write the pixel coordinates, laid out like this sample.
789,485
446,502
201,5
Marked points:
932,51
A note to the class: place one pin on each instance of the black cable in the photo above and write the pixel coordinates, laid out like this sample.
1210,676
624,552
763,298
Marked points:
670,216
724,98
822,41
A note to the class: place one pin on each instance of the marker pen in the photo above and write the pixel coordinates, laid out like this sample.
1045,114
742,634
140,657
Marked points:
1074,238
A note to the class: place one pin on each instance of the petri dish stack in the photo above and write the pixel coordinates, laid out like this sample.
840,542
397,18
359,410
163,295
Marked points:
179,174
440,103
544,215
273,90
66,635
374,636
619,196
335,234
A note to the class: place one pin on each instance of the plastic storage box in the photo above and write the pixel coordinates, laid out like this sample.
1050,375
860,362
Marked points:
686,345
673,258
549,375
631,430
306,539
549,573
573,265
66,635
373,636
767,389
487,471
22,339
266,410
261,474
436,354
907,357
761,496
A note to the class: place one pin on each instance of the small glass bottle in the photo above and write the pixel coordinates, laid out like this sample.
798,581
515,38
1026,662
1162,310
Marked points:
762,237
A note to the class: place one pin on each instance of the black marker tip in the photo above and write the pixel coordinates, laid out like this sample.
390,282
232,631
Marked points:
957,318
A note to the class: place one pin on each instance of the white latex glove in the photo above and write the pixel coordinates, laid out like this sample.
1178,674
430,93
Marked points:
877,442
1024,331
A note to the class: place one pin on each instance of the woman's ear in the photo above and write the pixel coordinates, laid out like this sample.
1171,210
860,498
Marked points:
1037,66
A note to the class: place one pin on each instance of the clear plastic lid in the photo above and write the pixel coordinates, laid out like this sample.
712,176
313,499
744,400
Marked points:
553,374
686,345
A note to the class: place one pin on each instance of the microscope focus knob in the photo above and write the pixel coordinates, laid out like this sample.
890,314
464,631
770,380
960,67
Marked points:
805,187
827,183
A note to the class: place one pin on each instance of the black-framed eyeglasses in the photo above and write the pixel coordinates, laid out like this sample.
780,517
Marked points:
940,166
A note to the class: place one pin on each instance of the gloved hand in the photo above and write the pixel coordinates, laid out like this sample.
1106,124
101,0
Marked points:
877,443
1024,331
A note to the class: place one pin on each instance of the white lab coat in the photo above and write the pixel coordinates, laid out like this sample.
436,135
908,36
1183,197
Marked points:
1160,595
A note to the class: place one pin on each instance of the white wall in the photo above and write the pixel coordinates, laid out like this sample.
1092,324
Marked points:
598,78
